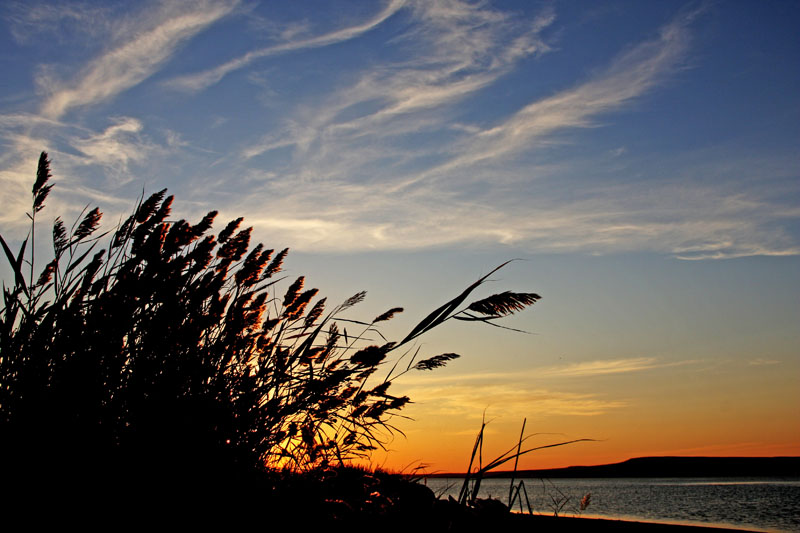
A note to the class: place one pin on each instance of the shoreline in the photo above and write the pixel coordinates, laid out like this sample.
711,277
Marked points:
661,467
595,523
650,503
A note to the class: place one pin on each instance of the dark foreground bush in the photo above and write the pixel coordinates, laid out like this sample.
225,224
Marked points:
159,353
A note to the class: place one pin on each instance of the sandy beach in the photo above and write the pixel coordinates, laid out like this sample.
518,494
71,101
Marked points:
564,523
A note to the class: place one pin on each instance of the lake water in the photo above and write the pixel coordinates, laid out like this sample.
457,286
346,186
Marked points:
765,504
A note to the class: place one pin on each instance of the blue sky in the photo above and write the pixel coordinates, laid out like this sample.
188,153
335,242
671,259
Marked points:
639,154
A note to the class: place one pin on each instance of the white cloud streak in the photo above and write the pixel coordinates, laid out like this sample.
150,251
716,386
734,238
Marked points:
133,61
349,166
75,152
202,80
116,147
457,50
353,175
520,393
602,368
760,361
689,221
630,76
514,399
30,20
583,369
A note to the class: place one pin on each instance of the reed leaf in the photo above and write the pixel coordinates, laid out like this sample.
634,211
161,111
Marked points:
445,311
16,263
172,339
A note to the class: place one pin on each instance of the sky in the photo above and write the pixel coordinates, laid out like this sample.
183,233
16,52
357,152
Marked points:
639,160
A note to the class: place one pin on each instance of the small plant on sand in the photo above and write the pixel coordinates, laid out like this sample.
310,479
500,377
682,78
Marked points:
585,501
558,500
168,350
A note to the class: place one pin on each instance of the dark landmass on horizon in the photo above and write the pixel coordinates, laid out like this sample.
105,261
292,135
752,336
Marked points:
665,467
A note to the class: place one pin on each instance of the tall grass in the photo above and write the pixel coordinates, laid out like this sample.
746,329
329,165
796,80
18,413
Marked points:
476,470
162,345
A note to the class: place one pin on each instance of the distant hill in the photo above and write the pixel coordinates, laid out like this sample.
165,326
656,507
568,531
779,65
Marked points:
670,467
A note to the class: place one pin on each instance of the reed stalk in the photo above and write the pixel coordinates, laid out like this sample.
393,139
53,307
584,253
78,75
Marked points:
163,340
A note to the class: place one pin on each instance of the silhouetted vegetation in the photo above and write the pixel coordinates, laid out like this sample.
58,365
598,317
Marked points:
477,470
161,351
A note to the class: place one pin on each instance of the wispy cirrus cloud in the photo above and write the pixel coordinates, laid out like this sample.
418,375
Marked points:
116,147
467,48
515,401
629,76
75,152
761,361
392,156
451,52
149,45
595,368
476,184
63,21
602,368
521,393
202,80
687,220
133,46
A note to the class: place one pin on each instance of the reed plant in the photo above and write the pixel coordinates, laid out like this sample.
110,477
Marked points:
477,471
161,346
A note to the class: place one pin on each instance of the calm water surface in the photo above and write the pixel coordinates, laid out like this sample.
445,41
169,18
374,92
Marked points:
766,504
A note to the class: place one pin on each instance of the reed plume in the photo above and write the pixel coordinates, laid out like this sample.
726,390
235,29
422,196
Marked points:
169,348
